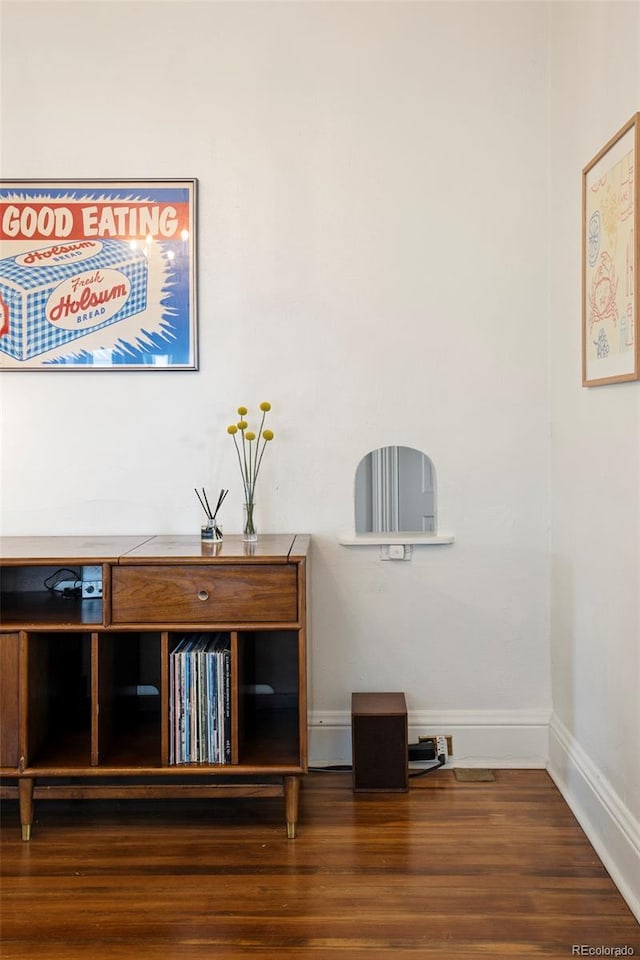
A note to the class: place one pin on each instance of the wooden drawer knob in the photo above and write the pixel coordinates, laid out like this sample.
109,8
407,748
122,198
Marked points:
203,595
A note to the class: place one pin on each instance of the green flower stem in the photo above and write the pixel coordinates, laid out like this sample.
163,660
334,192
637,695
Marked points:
244,454
250,527
242,472
264,445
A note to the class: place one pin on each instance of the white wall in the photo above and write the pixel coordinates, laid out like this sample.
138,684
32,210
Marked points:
595,478
373,214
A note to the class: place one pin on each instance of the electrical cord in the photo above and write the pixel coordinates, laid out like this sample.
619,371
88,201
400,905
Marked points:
421,773
332,768
413,771
62,576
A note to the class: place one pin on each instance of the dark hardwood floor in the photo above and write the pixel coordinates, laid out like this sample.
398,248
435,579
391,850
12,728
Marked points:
450,870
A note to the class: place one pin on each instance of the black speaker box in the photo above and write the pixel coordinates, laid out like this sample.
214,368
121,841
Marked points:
379,742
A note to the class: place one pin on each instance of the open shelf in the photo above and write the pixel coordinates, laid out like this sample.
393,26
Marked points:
126,687
135,745
59,699
268,696
274,740
27,597
41,608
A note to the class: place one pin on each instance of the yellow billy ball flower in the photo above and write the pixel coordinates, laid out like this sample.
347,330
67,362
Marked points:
250,435
242,411
265,406
232,428
267,434
242,424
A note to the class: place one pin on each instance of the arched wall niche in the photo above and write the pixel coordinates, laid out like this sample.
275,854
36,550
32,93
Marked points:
395,490
395,502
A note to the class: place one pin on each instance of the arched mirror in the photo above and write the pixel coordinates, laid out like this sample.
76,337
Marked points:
395,490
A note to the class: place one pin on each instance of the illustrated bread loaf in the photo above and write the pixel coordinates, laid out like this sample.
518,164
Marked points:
52,295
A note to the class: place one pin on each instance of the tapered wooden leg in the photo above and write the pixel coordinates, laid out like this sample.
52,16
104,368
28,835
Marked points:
25,800
291,797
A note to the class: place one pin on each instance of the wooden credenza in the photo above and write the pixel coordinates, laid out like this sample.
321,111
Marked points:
87,684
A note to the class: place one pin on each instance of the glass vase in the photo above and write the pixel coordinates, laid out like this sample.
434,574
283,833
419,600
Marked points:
249,528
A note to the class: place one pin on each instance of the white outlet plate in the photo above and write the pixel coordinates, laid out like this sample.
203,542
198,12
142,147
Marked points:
396,551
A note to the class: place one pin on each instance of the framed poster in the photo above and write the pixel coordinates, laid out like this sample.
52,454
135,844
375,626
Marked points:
98,275
611,282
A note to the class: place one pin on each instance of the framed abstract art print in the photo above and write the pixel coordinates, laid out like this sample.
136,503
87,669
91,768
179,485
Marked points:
610,277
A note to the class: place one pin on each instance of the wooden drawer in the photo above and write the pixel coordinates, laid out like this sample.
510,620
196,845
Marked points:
195,593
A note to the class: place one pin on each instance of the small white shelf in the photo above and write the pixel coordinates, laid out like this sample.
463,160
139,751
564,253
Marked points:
384,539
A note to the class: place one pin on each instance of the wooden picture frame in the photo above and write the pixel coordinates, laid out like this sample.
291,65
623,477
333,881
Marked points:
98,275
610,255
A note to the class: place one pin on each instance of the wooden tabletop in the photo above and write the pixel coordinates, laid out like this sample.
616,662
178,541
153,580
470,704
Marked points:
67,549
271,547
275,548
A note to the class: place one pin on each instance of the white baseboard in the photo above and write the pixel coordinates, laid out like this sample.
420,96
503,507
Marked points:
484,738
612,830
